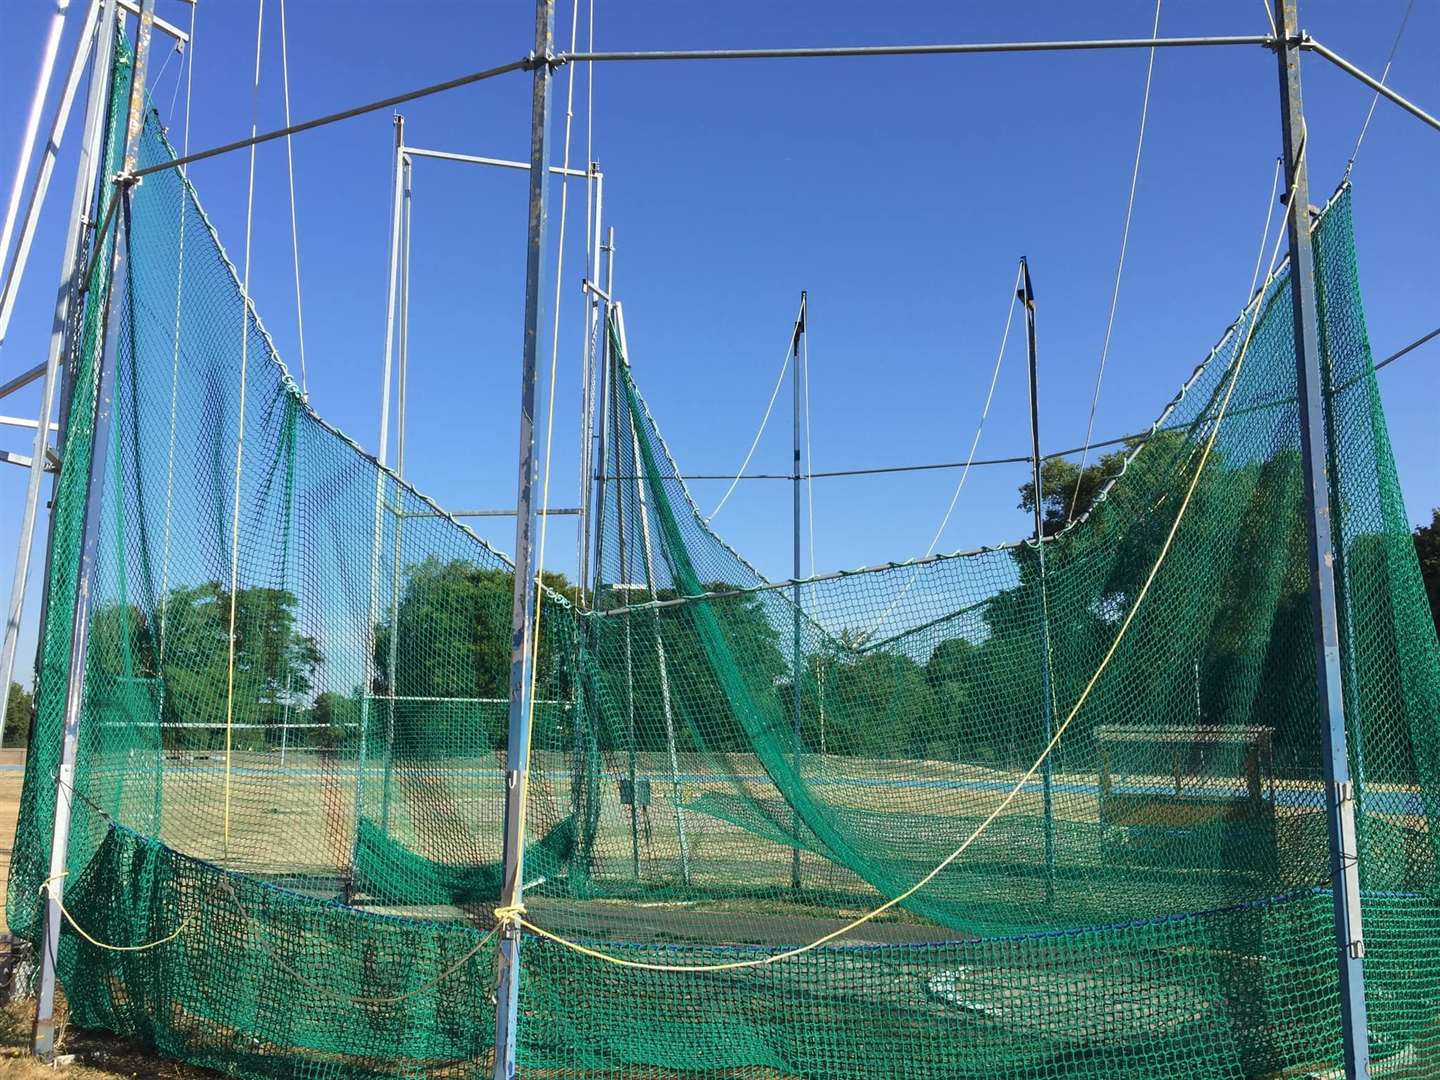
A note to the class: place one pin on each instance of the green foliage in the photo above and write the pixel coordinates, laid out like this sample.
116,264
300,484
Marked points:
19,711
1427,547
186,645
452,642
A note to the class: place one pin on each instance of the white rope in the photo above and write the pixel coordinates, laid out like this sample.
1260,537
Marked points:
294,226
969,459
1269,18
1120,264
240,422
1384,75
1265,232
179,78
774,394
984,414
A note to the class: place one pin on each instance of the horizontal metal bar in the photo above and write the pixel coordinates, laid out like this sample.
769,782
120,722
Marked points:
555,511
1398,353
25,422
473,159
917,50
197,725
1373,83
8,457
462,700
344,114
590,286
22,380
160,24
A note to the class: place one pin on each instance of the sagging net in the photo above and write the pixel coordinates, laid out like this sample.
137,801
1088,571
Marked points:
292,744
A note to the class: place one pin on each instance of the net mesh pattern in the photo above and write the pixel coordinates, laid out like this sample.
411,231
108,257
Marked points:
723,767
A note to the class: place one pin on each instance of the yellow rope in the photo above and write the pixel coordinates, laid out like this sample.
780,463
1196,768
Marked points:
517,912
44,887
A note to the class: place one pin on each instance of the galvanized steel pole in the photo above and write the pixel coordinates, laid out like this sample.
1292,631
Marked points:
1027,294
524,600
53,369
797,661
1339,787
104,381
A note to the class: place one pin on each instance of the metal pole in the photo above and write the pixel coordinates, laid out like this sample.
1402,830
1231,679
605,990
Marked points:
104,376
1307,42
632,764
649,556
797,661
1339,787
41,186
941,49
524,601
90,226
1027,294
32,121
587,390
477,159
382,456
402,373
70,263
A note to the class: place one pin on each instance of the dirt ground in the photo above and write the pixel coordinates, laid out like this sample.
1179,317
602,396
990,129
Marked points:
96,1056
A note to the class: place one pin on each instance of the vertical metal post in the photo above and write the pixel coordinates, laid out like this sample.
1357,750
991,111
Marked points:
100,41
1027,294
402,378
582,781
623,585
517,753
648,552
797,662
104,376
587,389
382,455
1339,787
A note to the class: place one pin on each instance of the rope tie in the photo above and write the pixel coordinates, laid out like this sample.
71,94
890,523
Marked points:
510,913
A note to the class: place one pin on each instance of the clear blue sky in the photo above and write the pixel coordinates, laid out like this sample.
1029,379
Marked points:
899,192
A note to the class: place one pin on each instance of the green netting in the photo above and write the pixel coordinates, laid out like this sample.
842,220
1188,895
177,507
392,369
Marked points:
723,767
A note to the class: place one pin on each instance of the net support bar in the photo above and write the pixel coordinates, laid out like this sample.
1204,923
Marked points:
524,599
1047,712
44,1039
795,477
1370,81
40,186
1339,788
939,49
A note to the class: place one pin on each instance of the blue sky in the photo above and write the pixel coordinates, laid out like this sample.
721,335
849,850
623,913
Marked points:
899,192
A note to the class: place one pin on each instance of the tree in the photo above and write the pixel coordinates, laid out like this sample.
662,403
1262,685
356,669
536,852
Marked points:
1427,548
452,642
19,711
1059,502
272,668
